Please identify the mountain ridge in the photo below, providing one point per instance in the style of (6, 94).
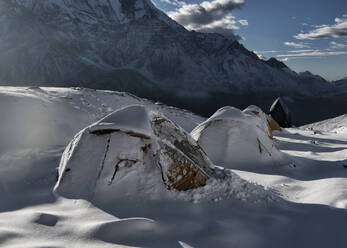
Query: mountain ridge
(103, 35)
(132, 46)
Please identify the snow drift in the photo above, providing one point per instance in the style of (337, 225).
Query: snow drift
(129, 150)
(228, 212)
(232, 138)
(334, 125)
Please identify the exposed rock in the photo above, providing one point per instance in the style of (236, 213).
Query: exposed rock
(275, 63)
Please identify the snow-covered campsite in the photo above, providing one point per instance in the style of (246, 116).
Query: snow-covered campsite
(88, 168)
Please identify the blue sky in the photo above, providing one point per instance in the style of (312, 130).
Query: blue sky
(305, 34)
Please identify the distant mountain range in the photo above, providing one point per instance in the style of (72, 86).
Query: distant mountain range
(341, 82)
(130, 45)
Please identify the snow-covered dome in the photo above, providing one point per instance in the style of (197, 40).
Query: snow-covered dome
(234, 139)
(265, 121)
(127, 151)
(261, 118)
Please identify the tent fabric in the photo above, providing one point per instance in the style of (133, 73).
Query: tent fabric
(280, 113)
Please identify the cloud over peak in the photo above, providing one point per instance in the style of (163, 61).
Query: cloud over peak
(208, 16)
(314, 53)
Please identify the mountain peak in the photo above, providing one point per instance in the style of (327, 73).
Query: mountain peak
(128, 45)
(276, 63)
(89, 11)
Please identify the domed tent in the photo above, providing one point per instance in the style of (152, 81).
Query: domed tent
(127, 148)
(268, 123)
(262, 118)
(280, 113)
(235, 139)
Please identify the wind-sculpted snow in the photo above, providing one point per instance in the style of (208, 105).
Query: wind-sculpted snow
(299, 204)
(337, 125)
(46, 117)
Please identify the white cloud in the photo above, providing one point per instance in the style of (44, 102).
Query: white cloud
(269, 51)
(243, 22)
(226, 23)
(260, 56)
(174, 2)
(315, 53)
(209, 16)
(339, 29)
(338, 20)
(335, 45)
(299, 45)
(284, 59)
(301, 51)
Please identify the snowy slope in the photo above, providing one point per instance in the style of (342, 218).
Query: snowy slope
(300, 204)
(336, 125)
(318, 172)
(51, 116)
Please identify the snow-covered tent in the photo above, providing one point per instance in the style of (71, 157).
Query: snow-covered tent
(233, 139)
(280, 113)
(267, 121)
(126, 150)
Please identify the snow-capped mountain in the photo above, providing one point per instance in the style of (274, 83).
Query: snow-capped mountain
(87, 43)
(341, 81)
(341, 85)
(132, 46)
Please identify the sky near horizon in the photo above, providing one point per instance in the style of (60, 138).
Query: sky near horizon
(305, 34)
